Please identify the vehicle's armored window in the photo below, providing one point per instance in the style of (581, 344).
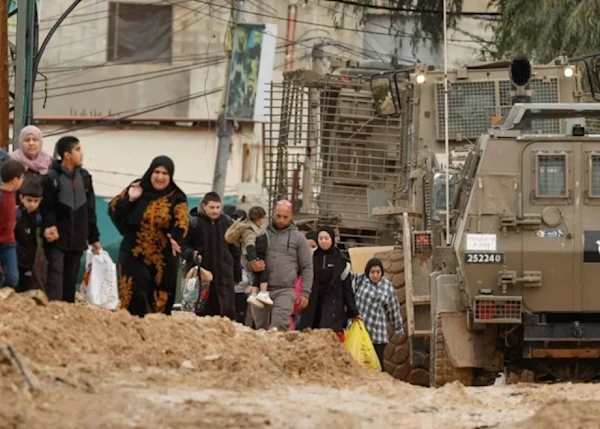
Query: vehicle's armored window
(595, 173)
(552, 175)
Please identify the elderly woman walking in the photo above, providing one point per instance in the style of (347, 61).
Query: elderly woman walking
(152, 215)
(378, 304)
(30, 153)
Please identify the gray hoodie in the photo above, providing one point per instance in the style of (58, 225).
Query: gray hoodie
(288, 257)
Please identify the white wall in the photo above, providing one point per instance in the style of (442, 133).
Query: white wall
(116, 157)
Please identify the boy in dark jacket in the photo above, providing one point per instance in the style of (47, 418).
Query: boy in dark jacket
(205, 245)
(69, 219)
(28, 222)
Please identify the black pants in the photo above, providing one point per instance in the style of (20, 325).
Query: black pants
(261, 277)
(63, 268)
(241, 307)
(379, 349)
(25, 279)
(221, 301)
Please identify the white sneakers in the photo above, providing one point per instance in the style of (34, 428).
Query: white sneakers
(254, 302)
(264, 298)
(259, 300)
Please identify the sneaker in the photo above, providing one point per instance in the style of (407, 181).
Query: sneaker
(253, 301)
(264, 298)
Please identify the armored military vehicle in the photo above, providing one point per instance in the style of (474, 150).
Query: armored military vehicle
(510, 284)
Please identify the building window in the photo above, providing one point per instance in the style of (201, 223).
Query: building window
(139, 32)
(552, 176)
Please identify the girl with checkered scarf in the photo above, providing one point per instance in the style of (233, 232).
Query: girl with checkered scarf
(378, 304)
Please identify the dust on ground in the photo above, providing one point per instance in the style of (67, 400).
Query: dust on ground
(75, 366)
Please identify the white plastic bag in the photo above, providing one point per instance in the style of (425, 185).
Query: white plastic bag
(99, 286)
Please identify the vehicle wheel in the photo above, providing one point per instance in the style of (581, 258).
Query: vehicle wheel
(397, 360)
(441, 371)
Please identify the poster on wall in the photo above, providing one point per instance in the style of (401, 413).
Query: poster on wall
(252, 61)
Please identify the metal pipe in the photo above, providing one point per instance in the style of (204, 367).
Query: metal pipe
(291, 34)
(446, 140)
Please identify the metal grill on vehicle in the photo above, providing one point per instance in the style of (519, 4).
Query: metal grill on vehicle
(329, 123)
(544, 91)
(473, 104)
(497, 309)
(421, 242)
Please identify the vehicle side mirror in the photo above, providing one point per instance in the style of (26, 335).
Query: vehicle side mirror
(386, 104)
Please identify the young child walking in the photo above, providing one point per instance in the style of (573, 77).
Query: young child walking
(29, 220)
(254, 241)
(12, 174)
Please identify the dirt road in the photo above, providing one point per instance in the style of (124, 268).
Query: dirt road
(72, 366)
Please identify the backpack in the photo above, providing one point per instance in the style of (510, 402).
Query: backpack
(233, 235)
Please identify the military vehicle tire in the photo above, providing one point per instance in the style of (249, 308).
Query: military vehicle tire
(441, 370)
(397, 353)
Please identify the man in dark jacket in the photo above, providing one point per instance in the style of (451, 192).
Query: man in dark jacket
(205, 245)
(69, 219)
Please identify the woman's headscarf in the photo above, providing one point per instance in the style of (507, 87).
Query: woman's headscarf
(150, 194)
(373, 262)
(333, 256)
(41, 163)
(329, 230)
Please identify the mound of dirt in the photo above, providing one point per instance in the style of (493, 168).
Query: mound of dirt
(562, 414)
(95, 341)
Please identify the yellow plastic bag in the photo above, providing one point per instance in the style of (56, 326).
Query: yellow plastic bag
(358, 343)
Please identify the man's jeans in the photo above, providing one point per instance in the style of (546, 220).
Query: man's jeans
(8, 259)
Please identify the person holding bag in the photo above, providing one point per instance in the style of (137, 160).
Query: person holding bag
(377, 303)
(152, 215)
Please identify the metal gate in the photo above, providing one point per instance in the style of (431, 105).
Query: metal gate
(324, 148)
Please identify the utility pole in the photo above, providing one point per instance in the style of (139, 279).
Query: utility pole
(318, 55)
(4, 75)
(224, 125)
(26, 38)
(291, 34)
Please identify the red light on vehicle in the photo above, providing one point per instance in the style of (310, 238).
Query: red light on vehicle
(422, 240)
(512, 308)
(485, 309)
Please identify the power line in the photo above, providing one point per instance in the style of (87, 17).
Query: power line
(123, 115)
(209, 61)
(131, 113)
(187, 58)
(108, 15)
(357, 30)
(55, 17)
(164, 74)
(183, 27)
(415, 10)
(398, 32)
